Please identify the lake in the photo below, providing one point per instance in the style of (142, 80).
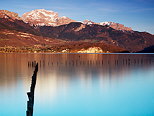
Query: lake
(78, 84)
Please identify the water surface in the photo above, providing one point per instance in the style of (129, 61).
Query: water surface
(78, 84)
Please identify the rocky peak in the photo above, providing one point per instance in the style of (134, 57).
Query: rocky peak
(41, 17)
(9, 15)
(116, 26)
(88, 22)
(113, 25)
(64, 20)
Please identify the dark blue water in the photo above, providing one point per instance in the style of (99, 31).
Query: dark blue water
(78, 84)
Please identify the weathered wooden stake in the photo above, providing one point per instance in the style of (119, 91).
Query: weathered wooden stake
(30, 102)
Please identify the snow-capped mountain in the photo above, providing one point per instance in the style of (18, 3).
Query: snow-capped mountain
(88, 22)
(113, 25)
(116, 26)
(41, 17)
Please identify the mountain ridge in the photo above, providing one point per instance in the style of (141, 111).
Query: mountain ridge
(42, 17)
(108, 36)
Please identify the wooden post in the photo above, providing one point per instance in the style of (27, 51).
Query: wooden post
(30, 102)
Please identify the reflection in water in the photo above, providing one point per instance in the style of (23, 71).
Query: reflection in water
(79, 84)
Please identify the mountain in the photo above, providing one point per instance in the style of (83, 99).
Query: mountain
(130, 40)
(44, 31)
(116, 26)
(148, 50)
(88, 22)
(113, 25)
(9, 15)
(11, 21)
(41, 17)
(16, 41)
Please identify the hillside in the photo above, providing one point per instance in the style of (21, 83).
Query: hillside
(67, 35)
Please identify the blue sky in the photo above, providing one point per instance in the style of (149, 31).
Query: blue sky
(138, 14)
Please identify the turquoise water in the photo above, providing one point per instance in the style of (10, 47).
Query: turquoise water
(78, 84)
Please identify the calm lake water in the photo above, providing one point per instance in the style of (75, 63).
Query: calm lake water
(78, 84)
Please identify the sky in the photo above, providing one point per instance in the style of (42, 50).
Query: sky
(138, 14)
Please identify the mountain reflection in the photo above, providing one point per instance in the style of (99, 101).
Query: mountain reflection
(69, 66)
(82, 65)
